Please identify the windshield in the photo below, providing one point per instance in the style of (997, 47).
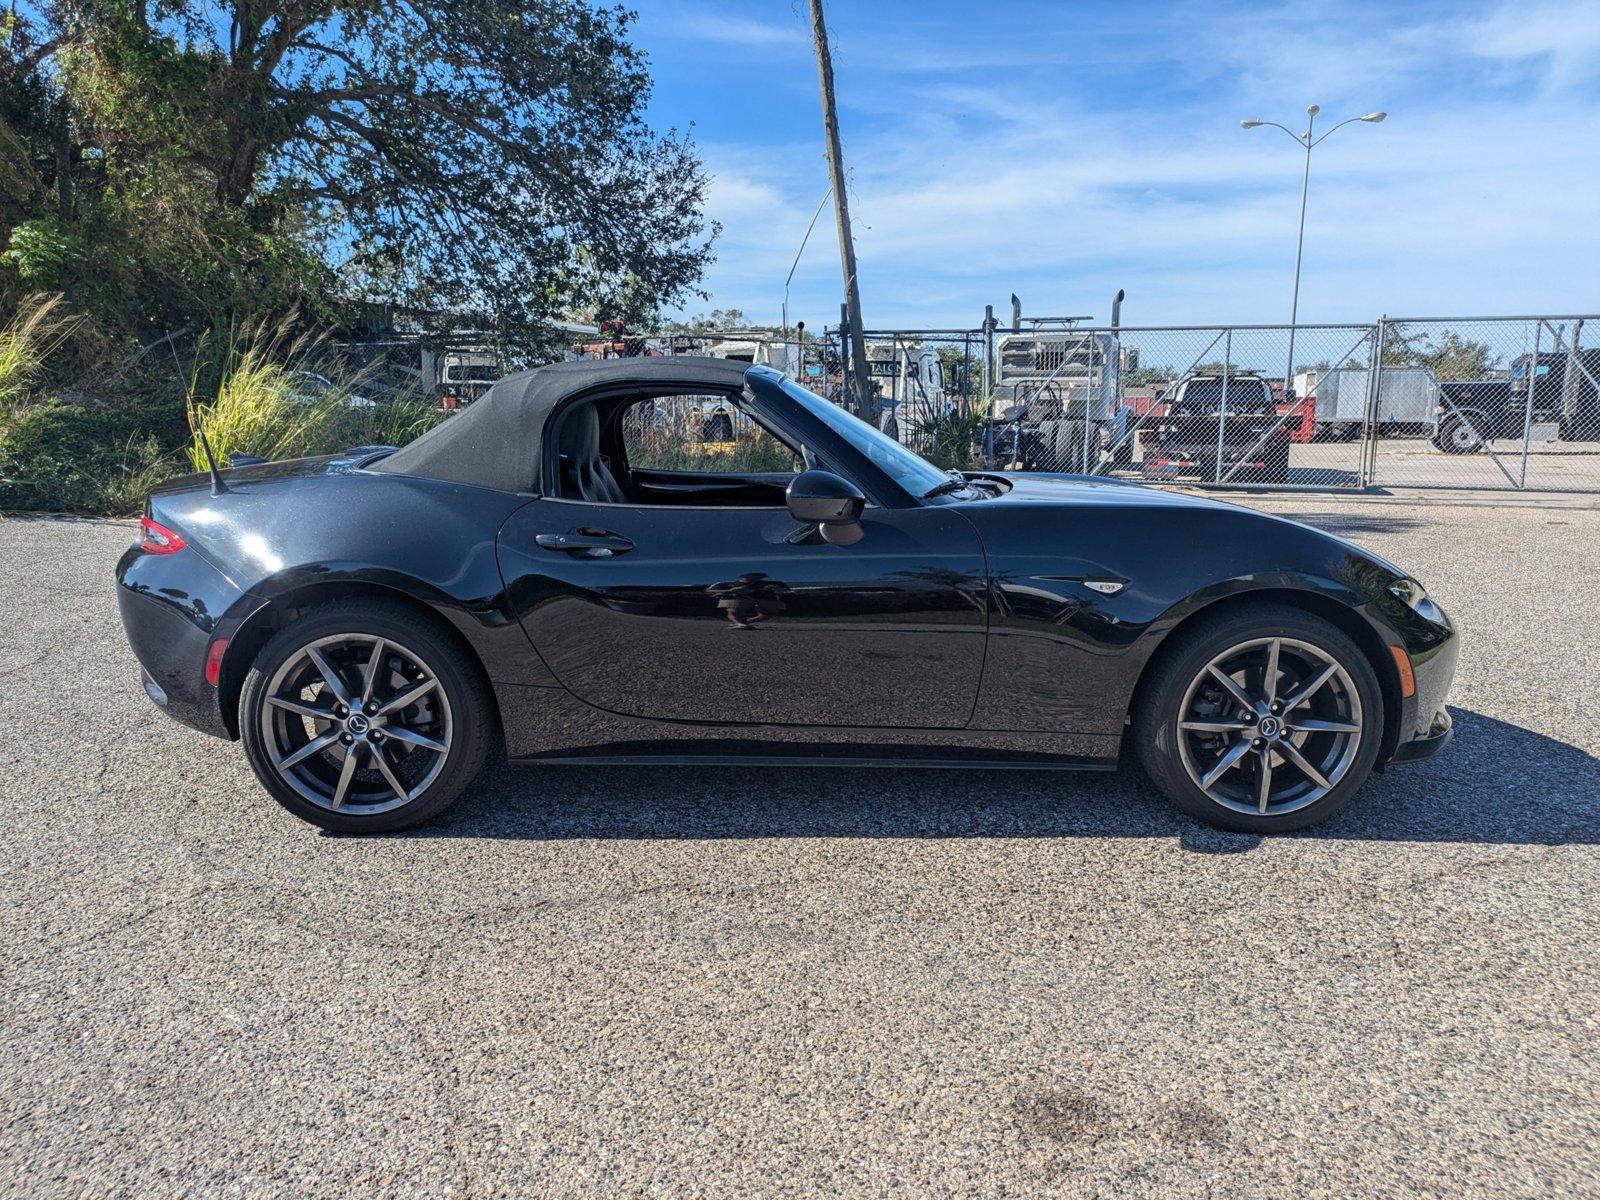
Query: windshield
(915, 474)
(1244, 395)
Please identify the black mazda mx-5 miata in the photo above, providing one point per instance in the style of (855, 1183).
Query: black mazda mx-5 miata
(592, 564)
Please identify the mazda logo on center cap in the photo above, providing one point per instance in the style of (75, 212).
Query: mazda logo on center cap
(357, 723)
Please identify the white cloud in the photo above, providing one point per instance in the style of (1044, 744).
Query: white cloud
(1477, 193)
(718, 25)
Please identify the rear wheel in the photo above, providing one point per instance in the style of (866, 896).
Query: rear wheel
(364, 717)
(1260, 720)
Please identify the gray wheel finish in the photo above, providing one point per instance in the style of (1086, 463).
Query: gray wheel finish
(1270, 726)
(1461, 438)
(356, 723)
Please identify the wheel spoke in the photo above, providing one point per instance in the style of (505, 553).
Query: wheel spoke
(1269, 682)
(1213, 726)
(381, 761)
(346, 774)
(1318, 725)
(1264, 783)
(1310, 689)
(329, 676)
(1240, 696)
(1292, 753)
(370, 676)
(412, 738)
(300, 706)
(1226, 763)
(408, 697)
(315, 746)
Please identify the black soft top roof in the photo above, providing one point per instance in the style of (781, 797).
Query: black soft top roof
(495, 441)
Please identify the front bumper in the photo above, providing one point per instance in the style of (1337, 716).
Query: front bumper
(1438, 736)
(1425, 727)
(171, 611)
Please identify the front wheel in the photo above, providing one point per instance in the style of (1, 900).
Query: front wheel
(1262, 720)
(1458, 436)
(365, 717)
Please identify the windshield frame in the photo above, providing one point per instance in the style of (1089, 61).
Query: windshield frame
(870, 452)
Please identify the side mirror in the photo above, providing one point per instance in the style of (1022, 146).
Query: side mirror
(827, 500)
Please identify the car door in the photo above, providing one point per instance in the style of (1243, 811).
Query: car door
(722, 613)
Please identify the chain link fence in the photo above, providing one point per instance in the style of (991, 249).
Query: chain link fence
(1481, 403)
(1478, 402)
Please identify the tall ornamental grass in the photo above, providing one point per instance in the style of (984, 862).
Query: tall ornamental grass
(262, 410)
(33, 333)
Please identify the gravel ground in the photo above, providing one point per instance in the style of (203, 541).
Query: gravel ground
(840, 982)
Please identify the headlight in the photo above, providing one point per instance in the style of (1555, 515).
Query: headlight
(1415, 597)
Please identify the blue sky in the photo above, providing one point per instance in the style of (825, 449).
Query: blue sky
(1064, 150)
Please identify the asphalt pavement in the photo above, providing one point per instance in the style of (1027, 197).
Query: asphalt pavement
(763, 982)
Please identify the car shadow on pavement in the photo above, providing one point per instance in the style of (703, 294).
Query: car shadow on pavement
(1496, 784)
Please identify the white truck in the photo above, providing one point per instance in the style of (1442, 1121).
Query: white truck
(1408, 399)
(912, 380)
(1058, 373)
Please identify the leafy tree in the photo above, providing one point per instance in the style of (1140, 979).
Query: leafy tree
(465, 155)
(717, 320)
(1450, 356)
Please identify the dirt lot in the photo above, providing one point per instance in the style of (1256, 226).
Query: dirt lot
(832, 982)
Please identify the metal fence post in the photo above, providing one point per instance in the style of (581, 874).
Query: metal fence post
(1222, 411)
(1367, 472)
(1527, 409)
(1088, 390)
(988, 351)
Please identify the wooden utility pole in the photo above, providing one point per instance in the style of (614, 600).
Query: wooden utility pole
(861, 370)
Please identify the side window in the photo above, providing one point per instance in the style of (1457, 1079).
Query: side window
(702, 434)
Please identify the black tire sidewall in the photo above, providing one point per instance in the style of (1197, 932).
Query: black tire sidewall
(472, 725)
(1155, 724)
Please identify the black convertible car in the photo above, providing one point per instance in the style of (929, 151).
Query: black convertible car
(572, 571)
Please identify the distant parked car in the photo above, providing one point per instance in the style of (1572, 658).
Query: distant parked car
(309, 387)
(1205, 419)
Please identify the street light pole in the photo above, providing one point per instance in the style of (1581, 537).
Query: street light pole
(1299, 253)
(1309, 142)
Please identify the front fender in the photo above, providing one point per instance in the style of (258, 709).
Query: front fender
(1063, 656)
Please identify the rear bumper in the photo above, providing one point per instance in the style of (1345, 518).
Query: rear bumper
(170, 611)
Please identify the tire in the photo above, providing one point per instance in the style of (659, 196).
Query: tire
(1181, 688)
(719, 428)
(455, 712)
(1279, 463)
(1275, 465)
(1457, 436)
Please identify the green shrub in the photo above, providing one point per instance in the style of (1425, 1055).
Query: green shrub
(79, 458)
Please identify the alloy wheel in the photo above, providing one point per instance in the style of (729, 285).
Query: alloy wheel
(1270, 726)
(356, 723)
(1464, 437)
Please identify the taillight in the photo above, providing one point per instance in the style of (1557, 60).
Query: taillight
(214, 653)
(156, 538)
